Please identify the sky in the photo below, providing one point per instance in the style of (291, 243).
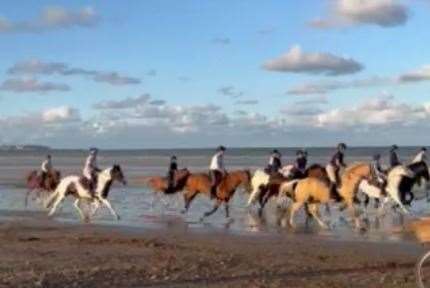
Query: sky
(194, 73)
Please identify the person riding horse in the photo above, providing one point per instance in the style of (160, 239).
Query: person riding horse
(336, 162)
(379, 178)
(216, 169)
(275, 162)
(421, 156)
(301, 162)
(394, 159)
(91, 169)
(46, 169)
(171, 174)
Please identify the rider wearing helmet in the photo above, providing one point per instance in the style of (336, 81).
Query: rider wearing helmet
(394, 159)
(377, 172)
(173, 167)
(421, 156)
(217, 169)
(46, 168)
(301, 161)
(274, 162)
(91, 169)
(336, 162)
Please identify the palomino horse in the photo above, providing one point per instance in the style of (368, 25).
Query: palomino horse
(265, 187)
(73, 185)
(35, 184)
(200, 183)
(161, 184)
(310, 192)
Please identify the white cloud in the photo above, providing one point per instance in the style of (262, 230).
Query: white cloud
(31, 86)
(382, 112)
(52, 17)
(60, 114)
(384, 13)
(38, 67)
(297, 61)
(130, 102)
(247, 102)
(417, 75)
(329, 86)
(221, 40)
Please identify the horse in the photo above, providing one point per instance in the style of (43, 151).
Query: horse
(416, 183)
(34, 183)
(397, 178)
(309, 192)
(161, 184)
(75, 186)
(265, 187)
(201, 183)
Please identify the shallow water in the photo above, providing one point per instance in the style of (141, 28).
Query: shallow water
(140, 209)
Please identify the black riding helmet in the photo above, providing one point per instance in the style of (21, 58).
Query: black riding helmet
(394, 147)
(341, 146)
(377, 157)
(221, 148)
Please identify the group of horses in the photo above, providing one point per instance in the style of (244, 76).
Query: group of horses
(309, 189)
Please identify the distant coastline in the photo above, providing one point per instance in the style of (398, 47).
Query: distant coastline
(24, 148)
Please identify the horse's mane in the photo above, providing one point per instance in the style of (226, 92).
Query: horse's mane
(418, 167)
(354, 167)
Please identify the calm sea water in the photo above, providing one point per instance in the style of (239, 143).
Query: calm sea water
(139, 207)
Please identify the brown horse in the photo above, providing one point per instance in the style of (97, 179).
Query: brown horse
(35, 184)
(201, 183)
(161, 184)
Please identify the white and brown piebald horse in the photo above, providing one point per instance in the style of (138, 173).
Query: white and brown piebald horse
(74, 186)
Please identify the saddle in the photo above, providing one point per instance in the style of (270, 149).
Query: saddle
(88, 184)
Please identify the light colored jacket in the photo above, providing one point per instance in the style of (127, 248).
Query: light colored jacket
(46, 166)
(421, 156)
(90, 166)
(217, 162)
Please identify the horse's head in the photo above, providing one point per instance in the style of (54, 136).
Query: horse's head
(117, 174)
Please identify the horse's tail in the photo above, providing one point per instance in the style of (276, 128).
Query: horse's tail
(259, 179)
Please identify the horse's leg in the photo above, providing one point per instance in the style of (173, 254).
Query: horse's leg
(26, 196)
(227, 209)
(76, 204)
(188, 198)
(58, 199)
(109, 206)
(214, 209)
(314, 210)
(263, 201)
(293, 209)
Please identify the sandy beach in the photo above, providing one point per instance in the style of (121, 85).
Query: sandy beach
(40, 252)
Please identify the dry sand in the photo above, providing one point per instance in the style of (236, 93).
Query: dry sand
(39, 252)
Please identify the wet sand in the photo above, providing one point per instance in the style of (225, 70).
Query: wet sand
(40, 252)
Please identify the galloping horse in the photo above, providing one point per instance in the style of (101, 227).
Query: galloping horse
(35, 183)
(161, 184)
(310, 192)
(200, 183)
(74, 186)
(265, 187)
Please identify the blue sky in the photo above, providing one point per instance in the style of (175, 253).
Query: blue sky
(226, 72)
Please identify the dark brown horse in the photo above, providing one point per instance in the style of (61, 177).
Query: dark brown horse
(161, 184)
(35, 183)
(201, 183)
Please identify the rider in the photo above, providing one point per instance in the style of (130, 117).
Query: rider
(216, 169)
(173, 167)
(301, 161)
(336, 163)
(46, 168)
(91, 169)
(377, 172)
(394, 159)
(274, 162)
(421, 156)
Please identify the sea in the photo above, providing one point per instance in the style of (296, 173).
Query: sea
(140, 208)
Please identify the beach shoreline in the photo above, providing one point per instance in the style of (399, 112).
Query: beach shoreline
(39, 252)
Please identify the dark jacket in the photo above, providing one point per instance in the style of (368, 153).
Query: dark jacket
(394, 159)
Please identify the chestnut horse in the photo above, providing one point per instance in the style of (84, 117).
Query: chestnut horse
(161, 184)
(201, 183)
(35, 184)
